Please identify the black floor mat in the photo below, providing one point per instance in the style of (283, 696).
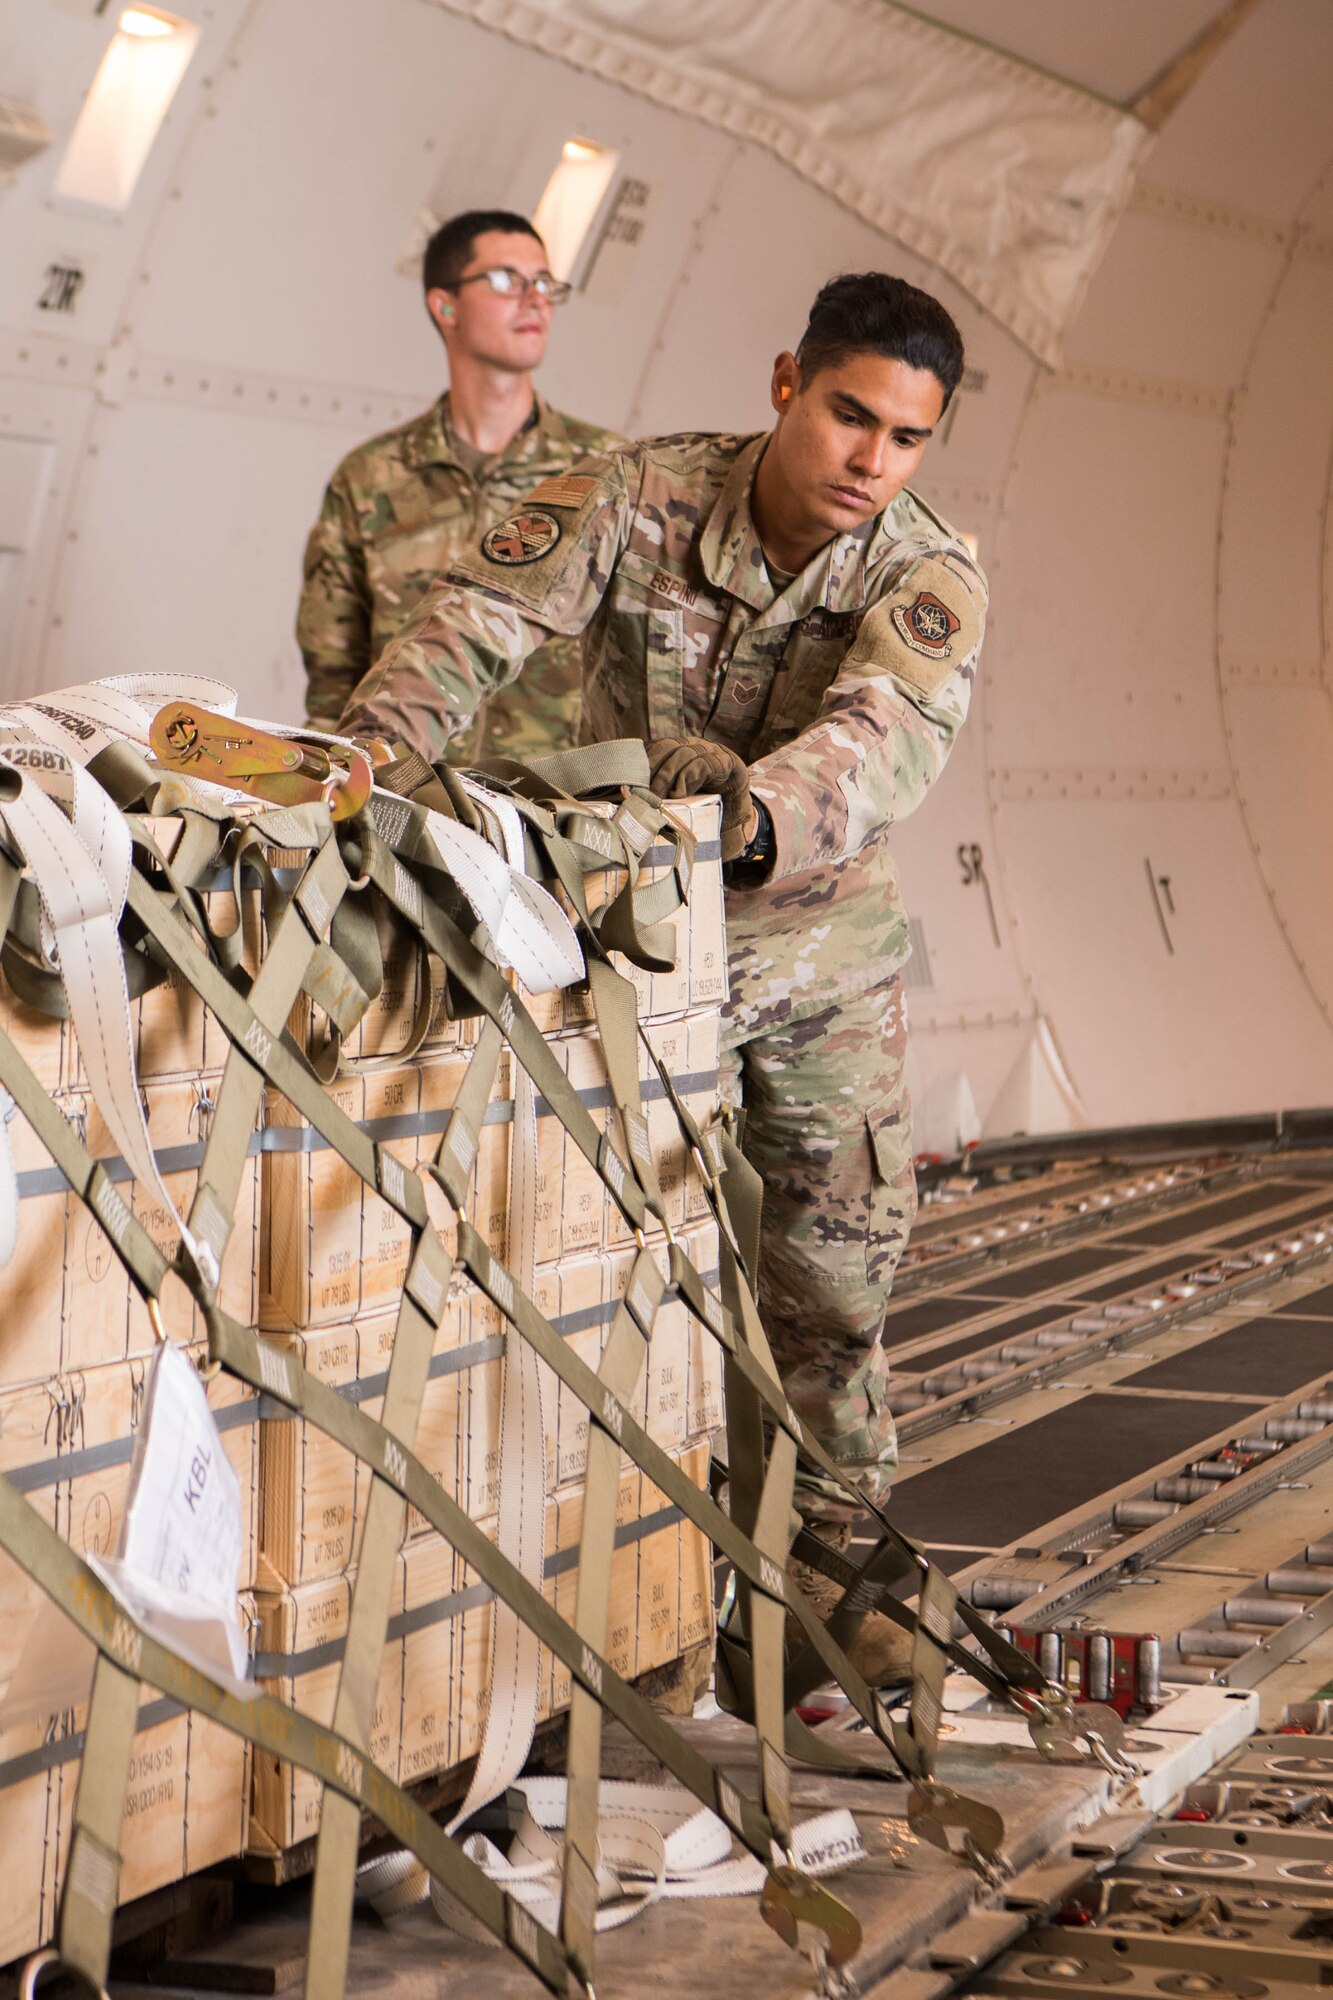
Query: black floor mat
(934, 1358)
(1062, 1270)
(1203, 1218)
(1315, 1305)
(1012, 1485)
(1137, 1281)
(933, 1315)
(1263, 1357)
(1244, 1237)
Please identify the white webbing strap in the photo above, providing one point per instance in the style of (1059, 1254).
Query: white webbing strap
(656, 1843)
(80, 868)
(528, 929)
(511, 1714)
(85, 719)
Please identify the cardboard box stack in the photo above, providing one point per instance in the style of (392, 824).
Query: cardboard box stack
(317, 1262)
(333, 1262)
(75, 1347)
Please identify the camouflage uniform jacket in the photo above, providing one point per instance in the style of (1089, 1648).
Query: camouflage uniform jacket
(843, 690)
(396, 513)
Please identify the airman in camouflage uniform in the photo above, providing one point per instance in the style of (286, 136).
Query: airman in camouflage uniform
(837, 691)
(398, 512)
(402, 507)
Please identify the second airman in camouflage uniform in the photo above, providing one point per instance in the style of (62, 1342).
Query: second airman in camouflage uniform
(403, 506)
(782, 621)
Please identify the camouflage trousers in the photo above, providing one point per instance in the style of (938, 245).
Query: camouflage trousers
(828, 1127)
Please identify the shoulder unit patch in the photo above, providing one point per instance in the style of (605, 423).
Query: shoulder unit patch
(926, 625)
(521, 538)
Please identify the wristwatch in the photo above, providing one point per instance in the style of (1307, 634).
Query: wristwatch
(762, 845)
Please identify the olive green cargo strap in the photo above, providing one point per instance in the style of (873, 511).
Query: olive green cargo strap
(259, 1052)
(460, 1141)
(488, 988)
(92, 1873)
(88, 1180)
(271, 1726)
(615, 1009)
(619, 1372)
(293, 943)
(419, 1314)
(590, 767)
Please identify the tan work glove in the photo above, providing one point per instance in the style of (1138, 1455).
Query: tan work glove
(680, 767)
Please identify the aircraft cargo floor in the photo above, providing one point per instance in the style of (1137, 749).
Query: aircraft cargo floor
(1114, 1387)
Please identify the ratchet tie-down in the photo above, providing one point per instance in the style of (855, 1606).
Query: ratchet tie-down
(283, 770)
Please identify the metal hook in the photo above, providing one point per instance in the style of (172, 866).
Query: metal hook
(42, 1961)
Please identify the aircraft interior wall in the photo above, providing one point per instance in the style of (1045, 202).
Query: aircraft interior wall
(1121, 884)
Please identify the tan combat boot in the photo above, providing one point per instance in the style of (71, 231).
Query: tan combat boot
(881, 1652)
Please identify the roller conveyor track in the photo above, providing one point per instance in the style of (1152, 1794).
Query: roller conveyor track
(1115, 1424)
(1086, 1421)
(1162, 1204)
(1228, 1893)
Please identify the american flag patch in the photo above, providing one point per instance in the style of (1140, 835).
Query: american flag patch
(567, 489)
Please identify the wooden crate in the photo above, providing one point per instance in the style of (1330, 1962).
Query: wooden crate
(69, 1302)
(699, 976)
(436, 1664)
(575, 1214)
(187, 1807)
(28, 1906)
(299, 1646)
(314, 1492)
(331, 1248)
(67, 1444)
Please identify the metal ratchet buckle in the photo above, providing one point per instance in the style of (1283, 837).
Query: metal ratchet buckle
(792, 1898)
(933, 1808)
(278, 769)
(1086, 1732)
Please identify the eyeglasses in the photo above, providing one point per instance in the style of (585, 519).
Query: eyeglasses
(508, 284)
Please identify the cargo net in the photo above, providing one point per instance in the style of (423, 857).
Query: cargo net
(246, 950)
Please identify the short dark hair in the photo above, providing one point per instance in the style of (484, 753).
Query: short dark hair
(452, 244)
(868, 311)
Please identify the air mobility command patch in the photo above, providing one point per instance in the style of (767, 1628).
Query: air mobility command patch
(922, 636)
(521, 538)
(926, 625)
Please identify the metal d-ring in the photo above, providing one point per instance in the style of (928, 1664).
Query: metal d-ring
(42, 1961)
